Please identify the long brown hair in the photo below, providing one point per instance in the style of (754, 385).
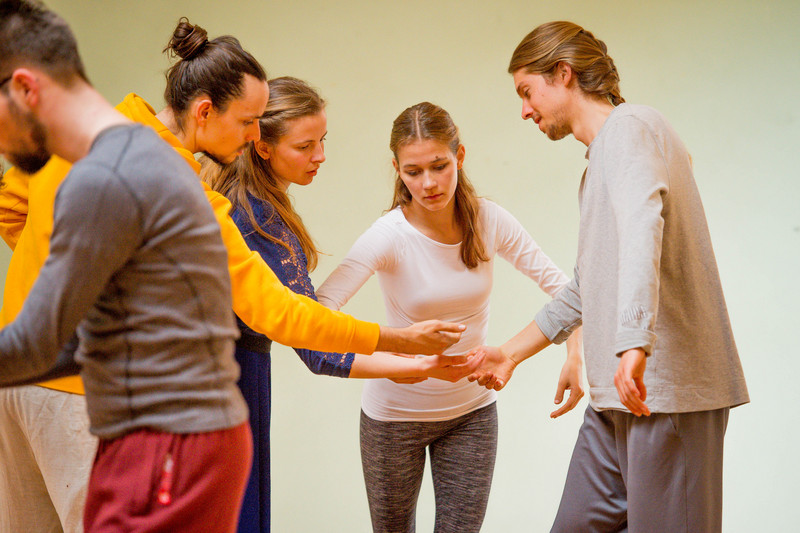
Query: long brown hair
(289, 100)
(545, 47)
(427, 121)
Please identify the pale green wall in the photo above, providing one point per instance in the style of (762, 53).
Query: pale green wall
(725, 74)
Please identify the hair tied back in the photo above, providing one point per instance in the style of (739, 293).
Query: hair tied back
(187, 40)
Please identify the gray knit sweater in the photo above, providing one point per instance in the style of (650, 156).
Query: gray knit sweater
(646, 274)
(138, 267)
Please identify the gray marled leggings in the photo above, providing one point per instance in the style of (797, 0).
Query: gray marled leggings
(462, 453)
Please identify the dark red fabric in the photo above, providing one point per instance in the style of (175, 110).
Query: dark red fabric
(164, 482)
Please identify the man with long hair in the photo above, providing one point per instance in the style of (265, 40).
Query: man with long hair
(662, 364)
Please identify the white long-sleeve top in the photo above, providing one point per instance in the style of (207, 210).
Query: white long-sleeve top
(422, 279)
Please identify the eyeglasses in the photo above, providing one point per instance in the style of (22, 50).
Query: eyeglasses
(6, 80)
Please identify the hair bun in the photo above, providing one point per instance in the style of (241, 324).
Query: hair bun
(187, 40)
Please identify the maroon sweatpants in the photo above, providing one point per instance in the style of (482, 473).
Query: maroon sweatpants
(152, 481)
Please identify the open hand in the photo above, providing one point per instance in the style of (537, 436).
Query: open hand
(496, 369)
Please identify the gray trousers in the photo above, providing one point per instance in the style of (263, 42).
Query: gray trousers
(462, 454)
(660, 473)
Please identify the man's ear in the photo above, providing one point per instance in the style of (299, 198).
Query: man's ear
(201, 109)
(25, 88)
(564, 73)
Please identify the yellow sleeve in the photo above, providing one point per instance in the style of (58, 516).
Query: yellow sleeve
(13, 205)
(267, 306)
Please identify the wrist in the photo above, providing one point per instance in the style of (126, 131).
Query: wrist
(388, 340)
(424, 365)
(515, 359)
(574, 357)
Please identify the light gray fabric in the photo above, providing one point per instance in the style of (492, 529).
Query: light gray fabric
(462, 452)
(42, 491)
(646, 274)
(655, 474)
(138, 266)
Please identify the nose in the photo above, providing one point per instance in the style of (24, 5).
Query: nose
(428, 181)
(527, 110)
(254, 132)
(319, 154)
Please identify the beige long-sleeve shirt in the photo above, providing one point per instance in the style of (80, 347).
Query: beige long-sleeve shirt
(646, 275)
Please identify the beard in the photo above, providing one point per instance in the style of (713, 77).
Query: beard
(560, 126)
(33, 159)
(556, 132)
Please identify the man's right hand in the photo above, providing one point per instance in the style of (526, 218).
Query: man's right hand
(428, 337)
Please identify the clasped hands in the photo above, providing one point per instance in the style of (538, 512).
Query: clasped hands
(497, 369)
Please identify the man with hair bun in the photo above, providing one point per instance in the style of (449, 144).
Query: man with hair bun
(661, 360)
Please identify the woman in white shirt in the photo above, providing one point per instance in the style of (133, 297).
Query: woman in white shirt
(433, 253)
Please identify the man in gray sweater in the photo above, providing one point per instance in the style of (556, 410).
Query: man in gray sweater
(661, 361)
(137, 266)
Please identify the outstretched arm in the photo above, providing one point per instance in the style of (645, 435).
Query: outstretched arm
(80, 263)
(373, 251)
(428, 337)
(444, 367)
(270, 308)
(499, 363)
(517, 247)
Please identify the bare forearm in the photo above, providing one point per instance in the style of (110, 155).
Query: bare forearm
(390, 340)
(428, 337)
(526, 343)
(385, 365)
(575, 345)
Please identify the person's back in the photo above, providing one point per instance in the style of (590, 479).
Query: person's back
(138, 269)
(156, 347)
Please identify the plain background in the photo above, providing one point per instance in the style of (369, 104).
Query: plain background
(725, 73)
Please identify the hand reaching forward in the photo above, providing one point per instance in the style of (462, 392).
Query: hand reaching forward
(408, 380)
(428, 337)
(445, 367)
(452, 367)
(496, 369)
(571, 379)
(629, 381)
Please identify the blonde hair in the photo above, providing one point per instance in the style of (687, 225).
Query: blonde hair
(289, 99)
(426, 121)
(552, 43)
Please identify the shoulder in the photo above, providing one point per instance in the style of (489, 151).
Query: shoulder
(391, 223)
(135, 152)
(385, 238)
(493, 215)
(263, 211)
(632, 130)
(635, 119)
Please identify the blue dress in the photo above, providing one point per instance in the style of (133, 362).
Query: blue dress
(253, 354)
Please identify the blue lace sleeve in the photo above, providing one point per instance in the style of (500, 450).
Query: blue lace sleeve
(292, 270)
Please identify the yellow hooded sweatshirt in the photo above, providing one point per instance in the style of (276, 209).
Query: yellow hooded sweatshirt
(259, 298)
